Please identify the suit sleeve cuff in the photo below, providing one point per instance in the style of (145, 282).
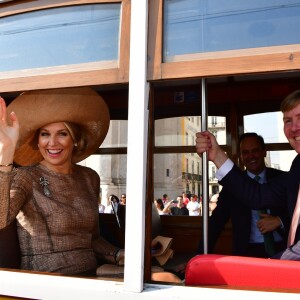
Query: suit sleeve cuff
(281, 223)
(224, 169)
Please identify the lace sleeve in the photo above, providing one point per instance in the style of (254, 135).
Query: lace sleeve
(13, 186)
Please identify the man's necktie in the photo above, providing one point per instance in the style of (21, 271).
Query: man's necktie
(257, 178)
(295, 221)
(268, 236)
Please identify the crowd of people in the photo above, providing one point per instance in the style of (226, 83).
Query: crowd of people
(113, 203)
(186, 204)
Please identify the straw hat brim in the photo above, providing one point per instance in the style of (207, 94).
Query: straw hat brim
(82, 106)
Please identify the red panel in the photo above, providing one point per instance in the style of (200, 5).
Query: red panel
(240, 271)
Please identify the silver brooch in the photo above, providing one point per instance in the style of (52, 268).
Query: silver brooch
(44, 183)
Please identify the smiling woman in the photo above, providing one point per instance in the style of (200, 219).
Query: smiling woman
(54, 200)
(56, 146)
(180, 55)
(84, 106)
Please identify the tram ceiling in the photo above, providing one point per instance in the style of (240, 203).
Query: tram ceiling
(247, 96)
(182, 97)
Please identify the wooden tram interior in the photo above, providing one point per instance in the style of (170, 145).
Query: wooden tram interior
(238, 83)
(232, 97)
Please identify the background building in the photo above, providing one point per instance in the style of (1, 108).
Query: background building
(173, 173)
(176, 173)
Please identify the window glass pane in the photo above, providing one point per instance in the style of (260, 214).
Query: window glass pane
(112, 170)
(117, 134)
(181, 131)
(60, 36)
(193, 26)
(273, 133)
(184, 175)
(281, 160)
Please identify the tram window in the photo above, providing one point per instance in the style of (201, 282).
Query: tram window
(117, 134)
(60, 36)
(174, 132)
(181, 131)
(111, 167)
(112, 170)
(217, 126)
(192, 26)
(181, 177)
(273, 133)
(185, 167)
(280, 159)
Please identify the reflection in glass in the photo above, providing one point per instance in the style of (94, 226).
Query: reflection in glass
(193, 26)
(60, 36)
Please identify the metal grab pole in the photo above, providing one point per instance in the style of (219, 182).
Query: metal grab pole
(205, 191)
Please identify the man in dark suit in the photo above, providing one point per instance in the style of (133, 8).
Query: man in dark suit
(251, 229)
(280, 190)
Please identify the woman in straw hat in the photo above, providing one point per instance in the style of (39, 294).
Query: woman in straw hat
(54, 200)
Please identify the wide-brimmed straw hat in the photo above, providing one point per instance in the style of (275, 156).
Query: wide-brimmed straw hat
(35, 109)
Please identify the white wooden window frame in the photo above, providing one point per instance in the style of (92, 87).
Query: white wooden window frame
(36, 286)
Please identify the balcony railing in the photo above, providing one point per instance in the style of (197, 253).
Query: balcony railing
(192, 177)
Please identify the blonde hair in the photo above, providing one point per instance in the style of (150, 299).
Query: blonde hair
(290, 101)
(77, 136)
